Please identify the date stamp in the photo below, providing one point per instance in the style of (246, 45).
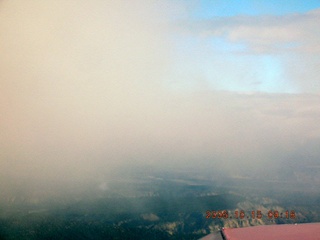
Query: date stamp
(254, 214)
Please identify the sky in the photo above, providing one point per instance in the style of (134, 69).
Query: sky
(89, 87)
(251, 45)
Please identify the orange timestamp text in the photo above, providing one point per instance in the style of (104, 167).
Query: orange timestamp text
(254, 214)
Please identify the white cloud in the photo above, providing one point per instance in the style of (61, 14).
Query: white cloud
(269, 34)
(82, 94)
(231, 52)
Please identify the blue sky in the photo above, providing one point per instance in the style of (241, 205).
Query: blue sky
(221, 8)
(248, 46)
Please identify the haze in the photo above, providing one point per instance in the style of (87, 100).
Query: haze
(91, 87)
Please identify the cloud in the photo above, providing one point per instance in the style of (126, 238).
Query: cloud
(269, 34)
(83, 93)
(76, 80)
(281, 52)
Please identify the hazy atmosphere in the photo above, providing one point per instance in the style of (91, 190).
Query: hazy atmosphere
(90, 87)
(142, 119)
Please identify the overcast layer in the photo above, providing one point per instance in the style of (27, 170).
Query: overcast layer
(87, 87)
